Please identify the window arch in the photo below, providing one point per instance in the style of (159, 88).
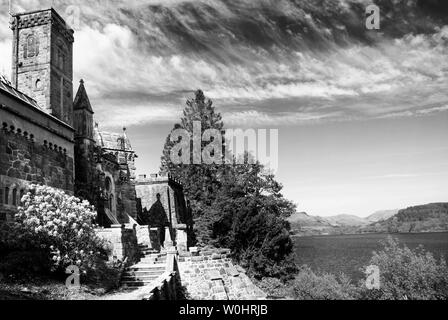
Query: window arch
(14, 197)
(22, 193)
(108, 184)
(6, 195)
(61, 55)
(38, 84)
(111, 202)
(31, 48)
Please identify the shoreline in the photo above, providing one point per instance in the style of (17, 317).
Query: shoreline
(365, 233)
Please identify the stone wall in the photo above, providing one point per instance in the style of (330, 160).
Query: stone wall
(149, 237)
(170, 200)
(123, 243)
(24, 161)
(211, 275)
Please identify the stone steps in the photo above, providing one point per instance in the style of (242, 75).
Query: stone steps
(140, 278)
(134, 284)
(146, 271)
(153, 258)
(150, 267)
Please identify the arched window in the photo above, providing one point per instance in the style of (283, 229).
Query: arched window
(38, 84)
(14, 197)
(31, 48)
(6, 195)
(111, 201)
(22, 192)
(108, 184)
(61, 55)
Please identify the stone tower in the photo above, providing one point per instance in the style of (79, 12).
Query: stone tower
(42, 61)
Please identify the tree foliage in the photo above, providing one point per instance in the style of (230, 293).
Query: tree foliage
(308, 285)
(407, 274)
(200, 182)
(239, 206)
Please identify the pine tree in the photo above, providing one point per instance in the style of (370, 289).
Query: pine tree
(200, 182)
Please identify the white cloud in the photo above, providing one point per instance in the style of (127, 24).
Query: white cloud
(119, 115)
(393, 78)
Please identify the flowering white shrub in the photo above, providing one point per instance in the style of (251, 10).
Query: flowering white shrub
(60, 224)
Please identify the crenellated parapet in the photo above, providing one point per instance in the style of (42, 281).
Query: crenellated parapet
(25, 136)
(24, 160)
(39, 18)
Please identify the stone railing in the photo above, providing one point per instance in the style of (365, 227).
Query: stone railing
(167, 286)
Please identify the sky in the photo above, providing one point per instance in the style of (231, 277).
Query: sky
(362, 115)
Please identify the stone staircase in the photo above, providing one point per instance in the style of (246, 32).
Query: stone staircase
(151, 266)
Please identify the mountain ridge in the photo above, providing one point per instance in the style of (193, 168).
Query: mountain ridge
(421, 218)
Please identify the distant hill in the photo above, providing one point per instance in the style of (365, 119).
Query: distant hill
(304, 224)
(344, 220)
(424, 218)
(381, 215)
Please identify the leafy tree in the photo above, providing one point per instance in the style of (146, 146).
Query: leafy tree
(407, 274)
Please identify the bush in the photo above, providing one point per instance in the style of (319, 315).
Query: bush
(104, 274)
(58, 226)
(275, 288)
(408, 274)
(310, 286)
(24, 264)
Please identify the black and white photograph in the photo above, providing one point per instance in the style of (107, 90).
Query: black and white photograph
(236, 151)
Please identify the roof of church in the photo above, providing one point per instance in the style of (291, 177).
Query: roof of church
(82, 100)
(18, 94)
(111, 140)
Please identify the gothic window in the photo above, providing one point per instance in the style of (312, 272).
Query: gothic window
(111, 201)
(6, 195)
(38, 84)
(61, 56)
(108, 185)
(22, 192)
(14, 197)
(31, 48)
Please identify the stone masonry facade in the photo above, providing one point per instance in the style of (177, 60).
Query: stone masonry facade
(23, 159)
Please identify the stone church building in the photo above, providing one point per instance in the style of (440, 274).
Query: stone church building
(48, 136)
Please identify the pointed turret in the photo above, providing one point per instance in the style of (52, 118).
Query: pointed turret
(82, 101)
(83, 114)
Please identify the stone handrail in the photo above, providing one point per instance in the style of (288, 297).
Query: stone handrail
(166, 286)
